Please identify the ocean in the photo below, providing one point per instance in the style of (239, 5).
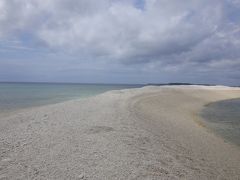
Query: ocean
(16, 96)
(223, 117)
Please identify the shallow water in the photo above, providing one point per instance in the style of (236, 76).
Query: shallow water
(224, 118)
(15, 96)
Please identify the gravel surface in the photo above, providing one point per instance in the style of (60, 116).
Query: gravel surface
(145, 133)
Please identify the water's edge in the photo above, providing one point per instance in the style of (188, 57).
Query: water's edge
(15, 97)
(223, 118)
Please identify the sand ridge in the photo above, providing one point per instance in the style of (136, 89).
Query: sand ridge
(143, 133)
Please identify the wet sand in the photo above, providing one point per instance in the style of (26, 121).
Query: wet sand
(145, 133)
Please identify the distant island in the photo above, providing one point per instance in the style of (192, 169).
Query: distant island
(176, 83)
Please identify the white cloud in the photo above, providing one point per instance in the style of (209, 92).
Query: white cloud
(122, 31)
(163, 34)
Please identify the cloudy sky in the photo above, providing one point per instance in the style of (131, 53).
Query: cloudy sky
(120, 41)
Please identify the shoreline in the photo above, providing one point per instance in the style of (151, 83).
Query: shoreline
(25, 109)
(35, 107)
(19, 96)
(142, 133)
(222, 117)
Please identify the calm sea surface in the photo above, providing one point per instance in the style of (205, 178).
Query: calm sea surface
(15, 96)
(224, 118)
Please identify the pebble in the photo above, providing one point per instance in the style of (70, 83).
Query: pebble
(6, 160)
(81, 176)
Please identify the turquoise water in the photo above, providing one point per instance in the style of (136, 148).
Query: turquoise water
(15, 96)
(224, 118)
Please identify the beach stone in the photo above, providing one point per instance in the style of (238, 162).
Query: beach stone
(6, 160)
(81, 176)
(99, 129)
(3, 177)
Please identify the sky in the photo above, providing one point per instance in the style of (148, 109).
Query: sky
(120, 41)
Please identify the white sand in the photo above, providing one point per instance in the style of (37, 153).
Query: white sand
(146, 133)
